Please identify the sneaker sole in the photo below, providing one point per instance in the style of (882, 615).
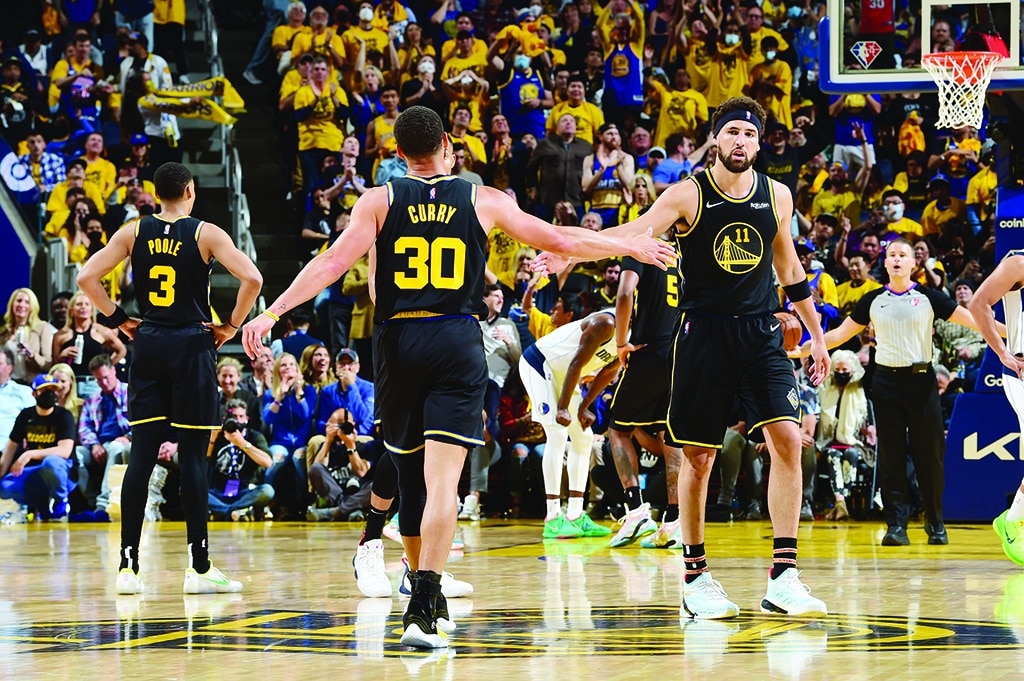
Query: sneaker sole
(414, 636)
(641, 531)
(770, 608)
(724, 615)
(211, 588)
(445, 625)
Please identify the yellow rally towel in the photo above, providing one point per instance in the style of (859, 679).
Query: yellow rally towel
(526, 35)
(218, 86)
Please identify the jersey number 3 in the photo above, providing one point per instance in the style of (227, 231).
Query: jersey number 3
(162, 294)
(441, 263)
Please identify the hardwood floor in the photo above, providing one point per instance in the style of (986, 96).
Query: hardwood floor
(541, 609)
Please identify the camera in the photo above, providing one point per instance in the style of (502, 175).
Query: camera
(231, 425)
(346, 428)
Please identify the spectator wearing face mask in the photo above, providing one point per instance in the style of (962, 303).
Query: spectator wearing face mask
(424, 89)
(522, 94)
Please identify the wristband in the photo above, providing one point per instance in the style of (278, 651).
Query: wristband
(118, 317)
(272, 315)
(798, 291)
(228, 322)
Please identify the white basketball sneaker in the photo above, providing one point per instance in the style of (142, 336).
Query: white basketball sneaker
(635, 524)
(212, 581)
(371, 577)
(787, 595)
(704, 598)
(128, 582)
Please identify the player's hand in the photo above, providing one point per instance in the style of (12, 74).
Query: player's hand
(586, 417)
(819, 370)
(253, 334)
(1013, 363)
(167, 451)
(624, 351)
(130, 327)
(222, 333)
(652, 251)
(563, 417)
(549, 263)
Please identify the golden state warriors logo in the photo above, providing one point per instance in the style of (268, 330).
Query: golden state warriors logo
(527, 92)
(738, 247)
(620, 66)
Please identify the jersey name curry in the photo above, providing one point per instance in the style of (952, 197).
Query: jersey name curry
(171, 278)
(725, 254)
(431, 249)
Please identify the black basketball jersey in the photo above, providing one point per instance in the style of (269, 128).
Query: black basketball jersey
(726, 254)
(431, 249)
(172, 281)
(656, 308)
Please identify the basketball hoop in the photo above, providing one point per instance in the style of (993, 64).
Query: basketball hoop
(962, 78)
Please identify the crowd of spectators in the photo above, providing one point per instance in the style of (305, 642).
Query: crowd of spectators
(582, 112)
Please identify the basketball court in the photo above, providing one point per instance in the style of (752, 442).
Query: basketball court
(571, 609)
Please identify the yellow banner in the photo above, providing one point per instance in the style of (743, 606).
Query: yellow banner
(197, 107)
(218, 86)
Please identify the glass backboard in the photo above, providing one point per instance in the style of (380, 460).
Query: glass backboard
(876, 45)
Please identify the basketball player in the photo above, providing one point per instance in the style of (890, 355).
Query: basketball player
(431, 374)
(1005, 282)
(551, 370)
(640, 402)
(732, 226)
(173, 379)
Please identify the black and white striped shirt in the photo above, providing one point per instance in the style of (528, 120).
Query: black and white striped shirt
(903, 322)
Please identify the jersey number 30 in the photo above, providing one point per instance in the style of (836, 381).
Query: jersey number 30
(162, 294)
(441, 263)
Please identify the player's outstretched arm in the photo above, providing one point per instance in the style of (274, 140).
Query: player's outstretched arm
(324, 269)
(497, 209)
(214, 242)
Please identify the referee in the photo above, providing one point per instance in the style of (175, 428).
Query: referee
(905, 393)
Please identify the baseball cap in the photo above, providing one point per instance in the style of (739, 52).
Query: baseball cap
(841, 164)
(605, 127)
(346, 353)
(139, 138)
(658, 150)
(134, 35)
(777, 125)
(828, 219)
(463, 35)
(307, 57)
(31, 35)
(44, 381)
(12, 60)
(965, 282)
(805, 243)
(938, 179)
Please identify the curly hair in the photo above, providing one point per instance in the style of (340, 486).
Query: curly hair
(419, 132)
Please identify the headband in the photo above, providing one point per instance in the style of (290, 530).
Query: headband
(739, 115)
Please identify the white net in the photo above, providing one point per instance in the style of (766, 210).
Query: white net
(963, 78)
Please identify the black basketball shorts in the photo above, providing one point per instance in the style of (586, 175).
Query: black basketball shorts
(173, 377)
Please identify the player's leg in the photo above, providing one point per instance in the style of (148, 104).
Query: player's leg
(786, 595)
(146, 440)
(195, 412)
(669, 534)
(368, 563)
(637, 522)
(581, 442)
(1009, 525)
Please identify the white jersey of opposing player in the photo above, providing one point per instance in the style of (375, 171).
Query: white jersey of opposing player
(1013, 309)
(560, 346)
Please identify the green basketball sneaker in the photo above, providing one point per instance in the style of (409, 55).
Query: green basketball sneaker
(560, 528)
(1012, 534)
(589, 528)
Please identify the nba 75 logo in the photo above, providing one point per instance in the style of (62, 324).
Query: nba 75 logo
(866, 51)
